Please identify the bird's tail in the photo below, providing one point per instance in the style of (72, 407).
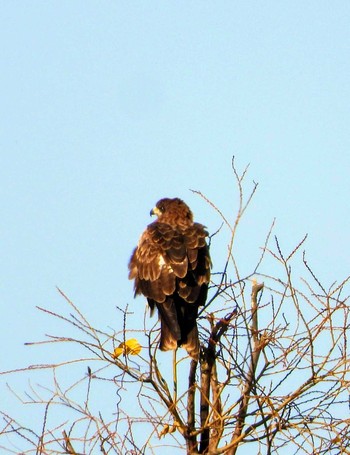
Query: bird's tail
(170, 332)
(189, 330)
(168, 341)
(192, 342)
(179, 327)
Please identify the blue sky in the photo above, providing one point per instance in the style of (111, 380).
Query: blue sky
(108, 106)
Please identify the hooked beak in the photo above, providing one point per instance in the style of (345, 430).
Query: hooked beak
(155, 211)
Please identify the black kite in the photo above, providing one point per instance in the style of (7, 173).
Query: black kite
(171, 267)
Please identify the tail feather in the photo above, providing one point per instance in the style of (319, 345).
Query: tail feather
(170, 331)
(178, 326)
(167, 340)
(192, 343)
(189, 330)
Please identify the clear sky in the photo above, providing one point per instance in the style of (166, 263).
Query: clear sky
(108, 106)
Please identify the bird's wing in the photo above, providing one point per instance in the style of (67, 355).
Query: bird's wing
(157, 261)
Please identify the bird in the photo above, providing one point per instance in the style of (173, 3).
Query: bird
(171, 267)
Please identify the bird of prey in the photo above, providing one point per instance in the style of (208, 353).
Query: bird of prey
(171, 267)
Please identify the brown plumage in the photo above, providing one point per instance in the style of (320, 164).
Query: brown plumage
(171, 267)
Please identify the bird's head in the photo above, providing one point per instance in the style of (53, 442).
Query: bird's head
(172, 210)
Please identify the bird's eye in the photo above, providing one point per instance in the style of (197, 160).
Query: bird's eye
(162, 208)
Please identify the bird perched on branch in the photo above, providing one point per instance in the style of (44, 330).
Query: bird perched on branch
(171, 267)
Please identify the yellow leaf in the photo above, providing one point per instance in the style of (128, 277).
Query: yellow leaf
(117, 352)
(172, 429)
(131, 347)
(164, 431)
(167, 429)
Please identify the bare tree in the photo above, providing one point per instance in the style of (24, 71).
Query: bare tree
(273, 372)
